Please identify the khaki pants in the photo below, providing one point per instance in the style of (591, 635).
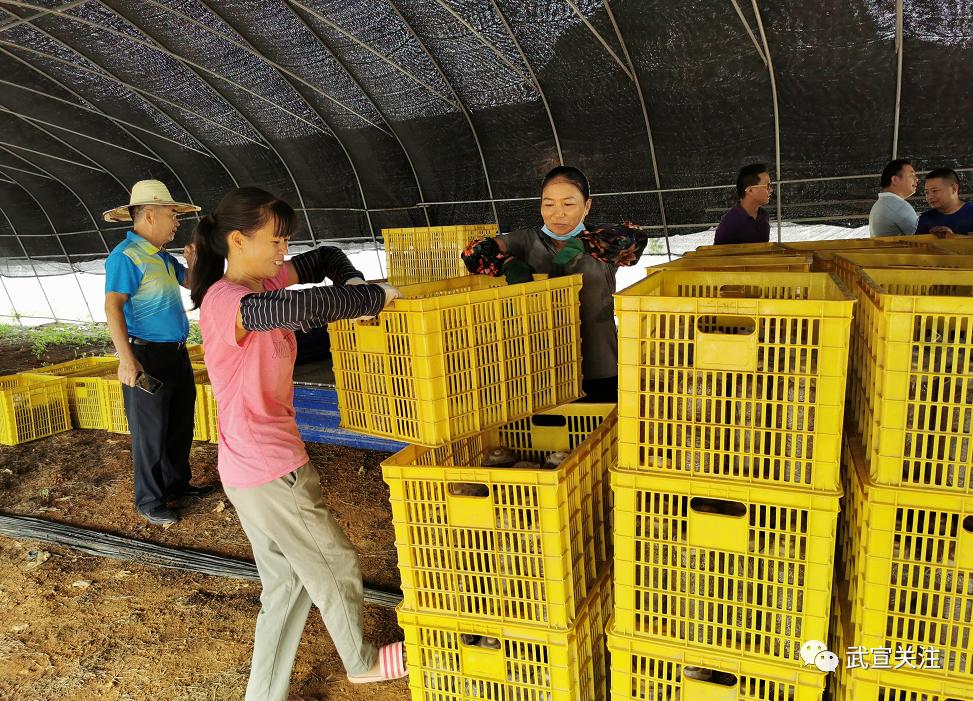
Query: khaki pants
(303, 557)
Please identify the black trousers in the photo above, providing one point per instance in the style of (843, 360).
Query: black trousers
(161, 424)
(604, 390)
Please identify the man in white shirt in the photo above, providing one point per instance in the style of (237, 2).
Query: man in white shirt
(891, 215)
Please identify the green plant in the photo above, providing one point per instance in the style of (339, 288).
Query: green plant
(9, 332)
(63, 334)
(195, 336)
(69, 335)
(40, 337)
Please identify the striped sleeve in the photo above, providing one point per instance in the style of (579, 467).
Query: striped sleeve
(324, 262)
(309, 308)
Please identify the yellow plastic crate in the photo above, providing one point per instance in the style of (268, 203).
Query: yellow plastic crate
(32, 407)
(211, 418)
(840, 244)
(907, 556)
(84, 399)
(458, 356)
(790, 262)
(707, 564)
(848, 265)
(429, 253)
(827, 261)
(826, 250)
(521, 662)
(914, 377)
(113, 405)
(918, 240)
(531, 548)
(196, 352)
(642, 670)
(735, 249)
(735, 375)
(884, 684)
(78, 367)
(961, 245)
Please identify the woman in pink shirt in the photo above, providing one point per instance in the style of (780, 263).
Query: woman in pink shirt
(248, 317)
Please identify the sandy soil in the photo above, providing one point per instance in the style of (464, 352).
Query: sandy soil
(76, 627)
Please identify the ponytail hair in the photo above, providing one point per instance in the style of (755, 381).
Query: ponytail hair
(244, 209)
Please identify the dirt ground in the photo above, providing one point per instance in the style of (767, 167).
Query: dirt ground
(75, 627)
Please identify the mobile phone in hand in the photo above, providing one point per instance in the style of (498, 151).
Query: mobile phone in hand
(144, 381)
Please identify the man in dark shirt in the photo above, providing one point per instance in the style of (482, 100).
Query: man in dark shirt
(747, 222)
(949, 214)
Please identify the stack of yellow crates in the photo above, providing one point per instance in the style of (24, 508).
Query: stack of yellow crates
(32, 407)
(429, 253)
(506, 571)
(904, 592)
(113, 404)
(83, 380)
(458, 356)
(82, 393)
(731, 402)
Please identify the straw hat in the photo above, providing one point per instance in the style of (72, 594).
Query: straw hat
(148, 192)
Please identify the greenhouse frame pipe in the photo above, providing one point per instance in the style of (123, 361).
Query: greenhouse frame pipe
(13, 307)
(120, 123)
(84, 205)
(35, 120)
(59, 242)
(29, 172)
(70, 189)
(746, 25)
(645, 117)
(148, 103)
(30, 262)
(385, 59)
(247, 46)
(899, 53)
(105, 74)
(534, 78)
(351, 76)
(172, 54)
(53, 157)
(267, 143)
(483, 40)
(773, 90)
(70, 146)
(459, 100)
(334, 134)
(600, 38)
(27, 20)
(699, 188)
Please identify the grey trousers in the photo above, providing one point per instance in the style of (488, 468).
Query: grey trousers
(303, 557)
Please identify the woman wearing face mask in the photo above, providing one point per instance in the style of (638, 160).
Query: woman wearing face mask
(248, 317)
(562, 246)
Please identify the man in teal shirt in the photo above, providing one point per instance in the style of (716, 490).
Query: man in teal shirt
(149, 328)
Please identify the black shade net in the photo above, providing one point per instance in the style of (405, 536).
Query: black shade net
(369, 115)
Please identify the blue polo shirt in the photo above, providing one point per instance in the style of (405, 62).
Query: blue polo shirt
(737, 226)
(151, 279)
(960, 221)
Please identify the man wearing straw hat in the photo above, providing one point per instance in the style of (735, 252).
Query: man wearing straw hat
(149, 328)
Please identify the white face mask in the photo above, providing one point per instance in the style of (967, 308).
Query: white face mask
(570, 235)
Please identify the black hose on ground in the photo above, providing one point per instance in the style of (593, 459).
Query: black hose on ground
(131, 550)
